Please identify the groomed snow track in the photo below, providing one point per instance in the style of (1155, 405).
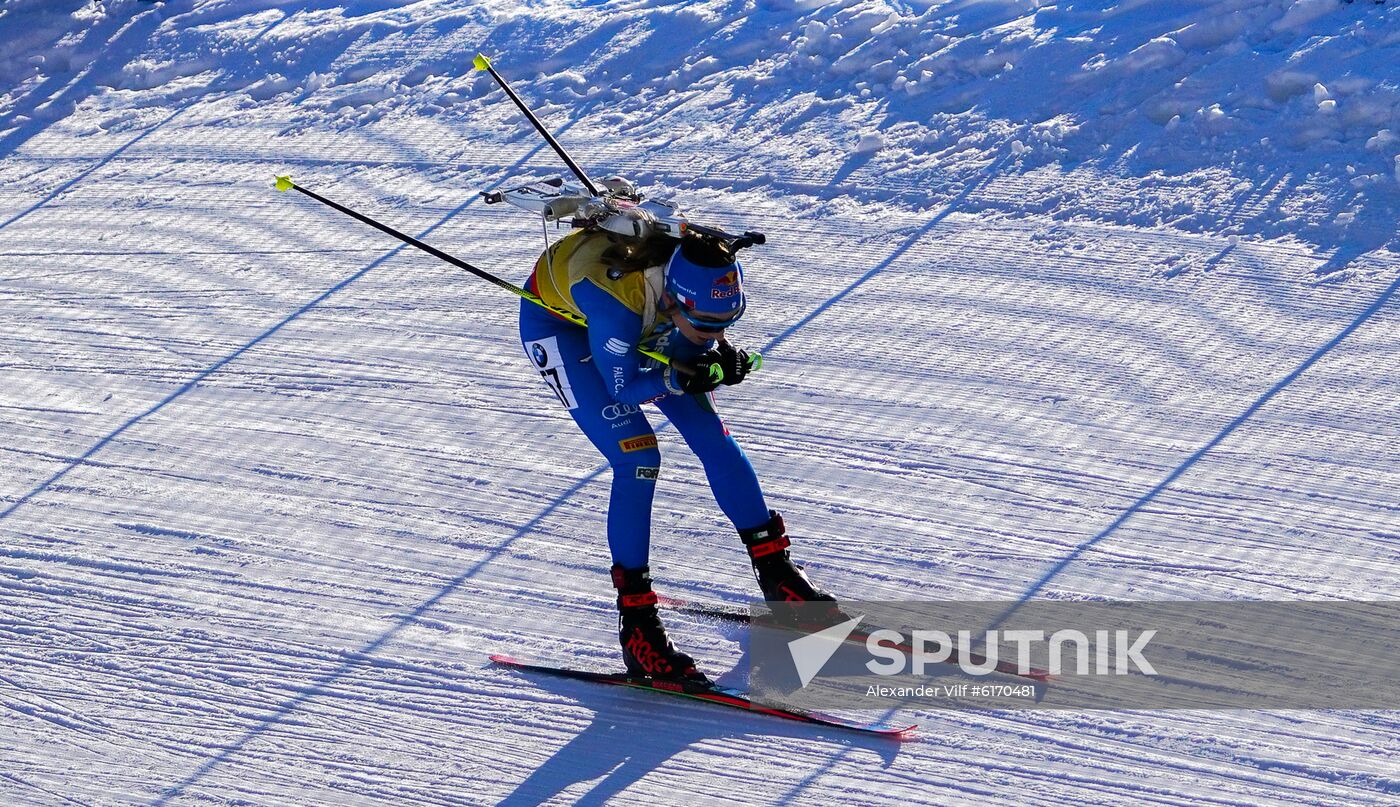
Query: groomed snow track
(272, 488)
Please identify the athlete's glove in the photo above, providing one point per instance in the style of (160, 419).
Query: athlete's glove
(735, 363)
(722, 365)
(705, 378)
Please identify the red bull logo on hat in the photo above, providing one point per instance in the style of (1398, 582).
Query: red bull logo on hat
(726, 286)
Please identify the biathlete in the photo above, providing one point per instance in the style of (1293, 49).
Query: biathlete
(676, 299)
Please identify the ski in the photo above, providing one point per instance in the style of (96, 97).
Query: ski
(741, 616)
(710, 693)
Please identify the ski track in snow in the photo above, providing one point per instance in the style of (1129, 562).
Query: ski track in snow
(258, 538)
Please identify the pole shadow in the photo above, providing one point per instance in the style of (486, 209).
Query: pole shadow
(240, 351)
(362, 656)
(972, 186)
(1200, 453)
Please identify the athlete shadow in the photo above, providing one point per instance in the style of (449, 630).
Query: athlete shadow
(633, 733)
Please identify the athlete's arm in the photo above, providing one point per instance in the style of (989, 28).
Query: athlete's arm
(613, 331)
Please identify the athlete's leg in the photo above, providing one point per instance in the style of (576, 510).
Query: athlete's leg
(736, 488)
(730, 474)
(559, 352)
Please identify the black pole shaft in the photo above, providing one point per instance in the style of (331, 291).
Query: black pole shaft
(539, 127)
(481, 273)
(408, 239)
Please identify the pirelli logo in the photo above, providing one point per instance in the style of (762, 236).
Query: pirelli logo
(638, 443)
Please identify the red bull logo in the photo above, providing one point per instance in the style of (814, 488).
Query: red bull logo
(726, 285)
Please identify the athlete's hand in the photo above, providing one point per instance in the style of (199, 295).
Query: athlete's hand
(734, 363)
(706, 376)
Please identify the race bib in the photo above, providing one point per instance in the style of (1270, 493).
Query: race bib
(545, 355)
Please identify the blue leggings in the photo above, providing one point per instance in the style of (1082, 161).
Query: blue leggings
(623, 435)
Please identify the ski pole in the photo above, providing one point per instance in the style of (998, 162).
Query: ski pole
(748, 239)
(483, 63)
(284, 183)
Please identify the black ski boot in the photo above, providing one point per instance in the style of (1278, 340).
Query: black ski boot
(780, 578)
(646, 649)
(783, 581)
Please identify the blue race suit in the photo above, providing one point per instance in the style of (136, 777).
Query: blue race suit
(598, 375)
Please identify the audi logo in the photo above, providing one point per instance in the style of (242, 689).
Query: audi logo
(619, 410)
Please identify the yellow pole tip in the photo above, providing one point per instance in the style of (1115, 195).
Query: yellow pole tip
(481, 62)
(284, 183)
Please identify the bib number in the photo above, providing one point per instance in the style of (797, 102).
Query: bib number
(544, 353)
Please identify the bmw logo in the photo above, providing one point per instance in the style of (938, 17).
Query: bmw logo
(541, 355)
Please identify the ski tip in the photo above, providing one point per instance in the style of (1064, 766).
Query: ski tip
(503, 659)
(879, 729)
(284, 182)
(481, 62)
(755, 361)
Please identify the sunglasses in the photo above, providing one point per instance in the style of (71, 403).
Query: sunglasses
(710, 325)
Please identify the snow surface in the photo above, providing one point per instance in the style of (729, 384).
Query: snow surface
(1073, 300)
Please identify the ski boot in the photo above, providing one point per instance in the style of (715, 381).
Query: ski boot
(646, 649)
(783, 582)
